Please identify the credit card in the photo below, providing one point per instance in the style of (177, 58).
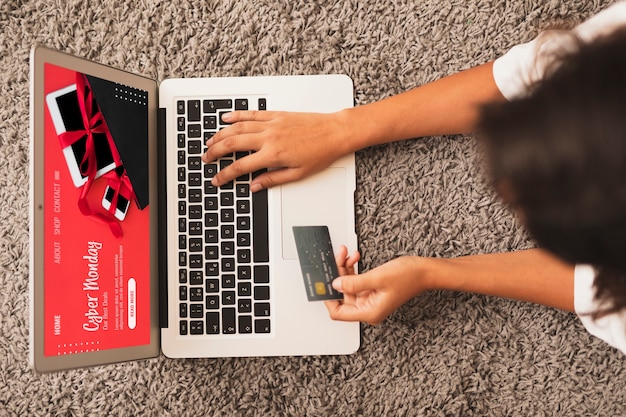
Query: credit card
(317, 261)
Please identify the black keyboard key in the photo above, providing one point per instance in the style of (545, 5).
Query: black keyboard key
(243, 239)
(261, 293)
(242, 190)
(227, 199)
(182, 174)
(196, 278)
(212, 269)
(212, 285)
(194, 147)
(210, 170)
(244, 289)
(225, 163)
(194, 195)
(180, 107)
(262, 326)
(182, 242)
(182, 190)
(182, 310)
(193, 110)
(260, 235)
(243, 207)
(181, 140)
(182, 258)
(228, 298)
(241, 104)
(196, 294)
(261, 274)
(194, 163)
(211, 252)
(227, 215)
(182, 225)
(212, 302)
(194, 179)
(196, 311)
(212, 322)
(228, 248)
(183, 328)
(228, 232)
(180, 123)
(262, 104)
(211, 236)
(228, 281)
(195, 212)
(243, 256)
(209, 188)
(244, 306)
(182, 208)
(195, 244)
(182, 157)
(210, 220)
(182, 293)
(195, 228)
(182, 276)
(243, 223)
(245, 324)
(210, 203)
(196, 327)
(195, 261)
(244, 272)
(209, 122)
(222, 122)
(262, 309)
(228, 321)
(194, 131)
(211, 106)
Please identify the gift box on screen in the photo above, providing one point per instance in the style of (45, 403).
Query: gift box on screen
(125, 111)
(102, 129)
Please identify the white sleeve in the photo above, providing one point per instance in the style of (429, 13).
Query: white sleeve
(610, 328)
(523, 65)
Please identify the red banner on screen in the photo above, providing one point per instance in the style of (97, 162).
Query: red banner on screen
(97, 282)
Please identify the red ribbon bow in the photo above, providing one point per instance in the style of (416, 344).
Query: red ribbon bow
(93, 122)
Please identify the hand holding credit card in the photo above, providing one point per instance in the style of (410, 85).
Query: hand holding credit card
(317, 261)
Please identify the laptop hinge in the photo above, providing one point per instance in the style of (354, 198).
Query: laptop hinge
(162, 217)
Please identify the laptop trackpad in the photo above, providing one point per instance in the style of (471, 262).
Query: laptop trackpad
(316, 201)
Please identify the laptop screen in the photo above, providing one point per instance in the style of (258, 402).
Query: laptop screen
(96, 234)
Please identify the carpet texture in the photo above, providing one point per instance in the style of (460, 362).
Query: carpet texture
(442, 354)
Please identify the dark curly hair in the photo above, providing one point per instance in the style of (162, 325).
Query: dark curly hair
(561, 152)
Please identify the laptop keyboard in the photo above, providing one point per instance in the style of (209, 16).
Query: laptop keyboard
(223, 258)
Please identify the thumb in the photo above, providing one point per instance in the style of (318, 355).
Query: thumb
(272, 178)
(353, 284)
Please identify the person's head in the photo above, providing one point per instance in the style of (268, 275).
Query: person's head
(560, 156)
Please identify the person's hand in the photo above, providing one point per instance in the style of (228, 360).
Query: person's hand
(372, 296)
(293, 145)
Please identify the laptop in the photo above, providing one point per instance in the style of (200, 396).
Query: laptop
(133, 252)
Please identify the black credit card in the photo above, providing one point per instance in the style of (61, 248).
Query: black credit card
(317, 261)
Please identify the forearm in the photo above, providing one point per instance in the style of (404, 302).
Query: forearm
(531, 275)
(449, 105)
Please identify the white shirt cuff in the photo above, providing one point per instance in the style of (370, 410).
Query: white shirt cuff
(610, 328)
